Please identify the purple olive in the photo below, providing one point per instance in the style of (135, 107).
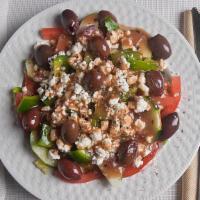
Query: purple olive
(102, 16)
(155, 82)
(70, 21)
(31, 119)
(160, 47)
(98, 47)
(69, 170)
(70, 131)
(41, 55)
(127, 152)
(170, 125)
(94, 80)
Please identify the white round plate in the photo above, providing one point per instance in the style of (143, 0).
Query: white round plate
(171, 160)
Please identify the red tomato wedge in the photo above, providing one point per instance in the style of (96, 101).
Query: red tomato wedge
(64, 42)
(30, 85)
(51, 33)
(129, 171)
(171, 101)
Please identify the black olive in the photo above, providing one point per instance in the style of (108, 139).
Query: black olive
(127, 152)
(170, 125)
(41, 55)
(94, 80)
(160, 47)
(98, 47)
(70, 131)
(70, 21)
(155, 82)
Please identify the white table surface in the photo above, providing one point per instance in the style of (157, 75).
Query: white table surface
(15, 12)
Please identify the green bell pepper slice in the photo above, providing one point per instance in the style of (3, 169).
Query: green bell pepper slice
(129, 54)
(27, 103)
(44, 139)
(16, 90)
(80, 156)
(58, 62)
(144, 65)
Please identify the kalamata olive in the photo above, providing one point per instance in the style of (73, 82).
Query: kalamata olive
(127, 152)
(94, 80)
(170, 125)
(160, 47)
(70, 130)
(41, 55)
(69, 170)
(31, 119)
(102, 16)
(98, 47)
(155, 82)
(70, 21)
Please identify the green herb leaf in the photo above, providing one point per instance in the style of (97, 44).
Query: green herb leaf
(110, 24)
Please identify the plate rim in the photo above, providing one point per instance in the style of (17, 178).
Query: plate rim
(175, 30)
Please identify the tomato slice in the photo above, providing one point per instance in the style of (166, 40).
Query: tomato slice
(171, 101)
(63, 43)
(89, 176)
(31, 86)
(51, 33)
(130, 170)
(175, 88)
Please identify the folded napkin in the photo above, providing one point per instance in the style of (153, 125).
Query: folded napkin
(190, 177)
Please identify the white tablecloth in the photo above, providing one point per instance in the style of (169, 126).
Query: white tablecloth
(15, 12)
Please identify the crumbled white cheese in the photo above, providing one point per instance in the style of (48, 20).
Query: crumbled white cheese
(81, 94)
(32, 121)
(53, 154)
(101, 155)
(64, 78)
(112, 46)
(77, 48)
(138, 161)
(62, 146)
(142, 86)
(46, 108)
(140, 124)
(124, 61)
(113, 101)
(53, 81)
(141, 105)
(121, 80)
(24, 89)
(96, 136)
(83, 142)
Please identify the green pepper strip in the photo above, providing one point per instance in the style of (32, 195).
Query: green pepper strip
(16, 90)
(80, 156)
(44, 140)
(27, 103)
(144, 65)
(58, 62)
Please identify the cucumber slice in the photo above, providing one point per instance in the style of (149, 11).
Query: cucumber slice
(42, 166)
(29, 68)
(152, 118)
(113, 175)
(41, 152)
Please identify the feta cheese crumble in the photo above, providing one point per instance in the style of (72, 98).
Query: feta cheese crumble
(141, 105)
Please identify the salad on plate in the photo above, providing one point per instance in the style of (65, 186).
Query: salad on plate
(97, 99)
